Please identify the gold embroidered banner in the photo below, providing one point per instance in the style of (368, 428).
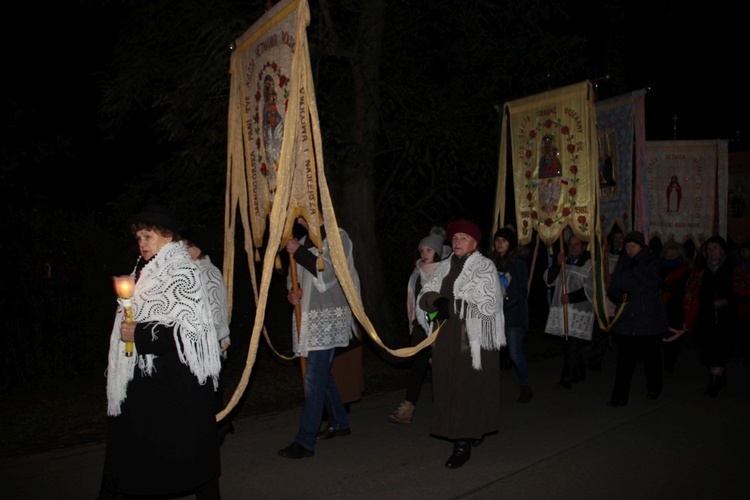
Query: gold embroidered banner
(554, 162)
(686, 190)
(275, 167)
(272, 107)
(555, 172)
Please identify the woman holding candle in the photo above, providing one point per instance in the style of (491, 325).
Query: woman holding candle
(161, 426)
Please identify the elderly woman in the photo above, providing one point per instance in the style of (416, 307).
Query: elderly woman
(161, 425)
(463, 297)
(716, 287)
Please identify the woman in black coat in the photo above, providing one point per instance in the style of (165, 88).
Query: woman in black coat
(162, 437)
(717, 286)
(641, 320)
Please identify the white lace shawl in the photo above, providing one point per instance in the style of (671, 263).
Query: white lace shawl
(168, 291)
(478, 289)
(217, 297)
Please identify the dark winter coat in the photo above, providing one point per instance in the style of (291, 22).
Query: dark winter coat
(466, 401)
(637, 280)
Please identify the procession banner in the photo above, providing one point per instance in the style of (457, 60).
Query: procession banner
(555, 173)
(617, 120)
(685, 185)
(554, 161)
(272, 79)
(275, 169)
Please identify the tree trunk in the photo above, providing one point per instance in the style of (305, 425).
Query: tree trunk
(357, 181)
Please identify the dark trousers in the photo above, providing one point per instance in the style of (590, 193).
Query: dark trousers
(630, 350)
(574, 368)
(599, 346)
(671, 350)
(419, 364)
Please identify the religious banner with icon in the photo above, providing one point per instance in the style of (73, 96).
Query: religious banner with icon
(686, 187)
(555, 173)
(554, 163)
(619, 121)
(272, 99)
(275, 169)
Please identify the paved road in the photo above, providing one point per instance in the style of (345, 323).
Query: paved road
(565, 444)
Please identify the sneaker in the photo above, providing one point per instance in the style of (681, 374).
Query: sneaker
(403, 414)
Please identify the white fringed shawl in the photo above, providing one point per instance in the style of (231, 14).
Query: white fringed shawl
(217, 297)
(478, 289)
(168, 291)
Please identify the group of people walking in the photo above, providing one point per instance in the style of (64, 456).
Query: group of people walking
(659, 301)
(163, 398)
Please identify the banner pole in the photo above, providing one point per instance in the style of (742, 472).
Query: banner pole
(563, 282)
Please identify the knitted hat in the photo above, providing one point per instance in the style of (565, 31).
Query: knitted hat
(466, 227)
(508, 235)
(158, 215)
(434, 240)
(635, 237)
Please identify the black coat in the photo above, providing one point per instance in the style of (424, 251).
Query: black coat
(637, 279)
(165, 440)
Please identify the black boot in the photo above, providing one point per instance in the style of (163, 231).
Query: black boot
(714, 384)
(526, 394)
(461, 453)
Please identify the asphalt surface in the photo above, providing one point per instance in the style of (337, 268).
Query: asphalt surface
(564, 444)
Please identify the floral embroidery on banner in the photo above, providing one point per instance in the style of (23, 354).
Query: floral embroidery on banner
(555, 183)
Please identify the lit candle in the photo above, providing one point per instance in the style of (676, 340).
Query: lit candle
(124, 286)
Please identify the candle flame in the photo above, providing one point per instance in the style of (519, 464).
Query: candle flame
(124, 286)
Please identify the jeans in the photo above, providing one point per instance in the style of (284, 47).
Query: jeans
(514, 336)
(320, 392)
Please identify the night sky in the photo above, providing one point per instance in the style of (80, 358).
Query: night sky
(689, 60)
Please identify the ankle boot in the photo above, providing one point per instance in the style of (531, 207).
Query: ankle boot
(525, 394)
(461, 453)
(714, 384)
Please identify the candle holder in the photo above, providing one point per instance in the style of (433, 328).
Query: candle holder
(124, 286)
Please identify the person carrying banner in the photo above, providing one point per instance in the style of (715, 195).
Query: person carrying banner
(463, 297)
(571, 312)
(327, 323)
